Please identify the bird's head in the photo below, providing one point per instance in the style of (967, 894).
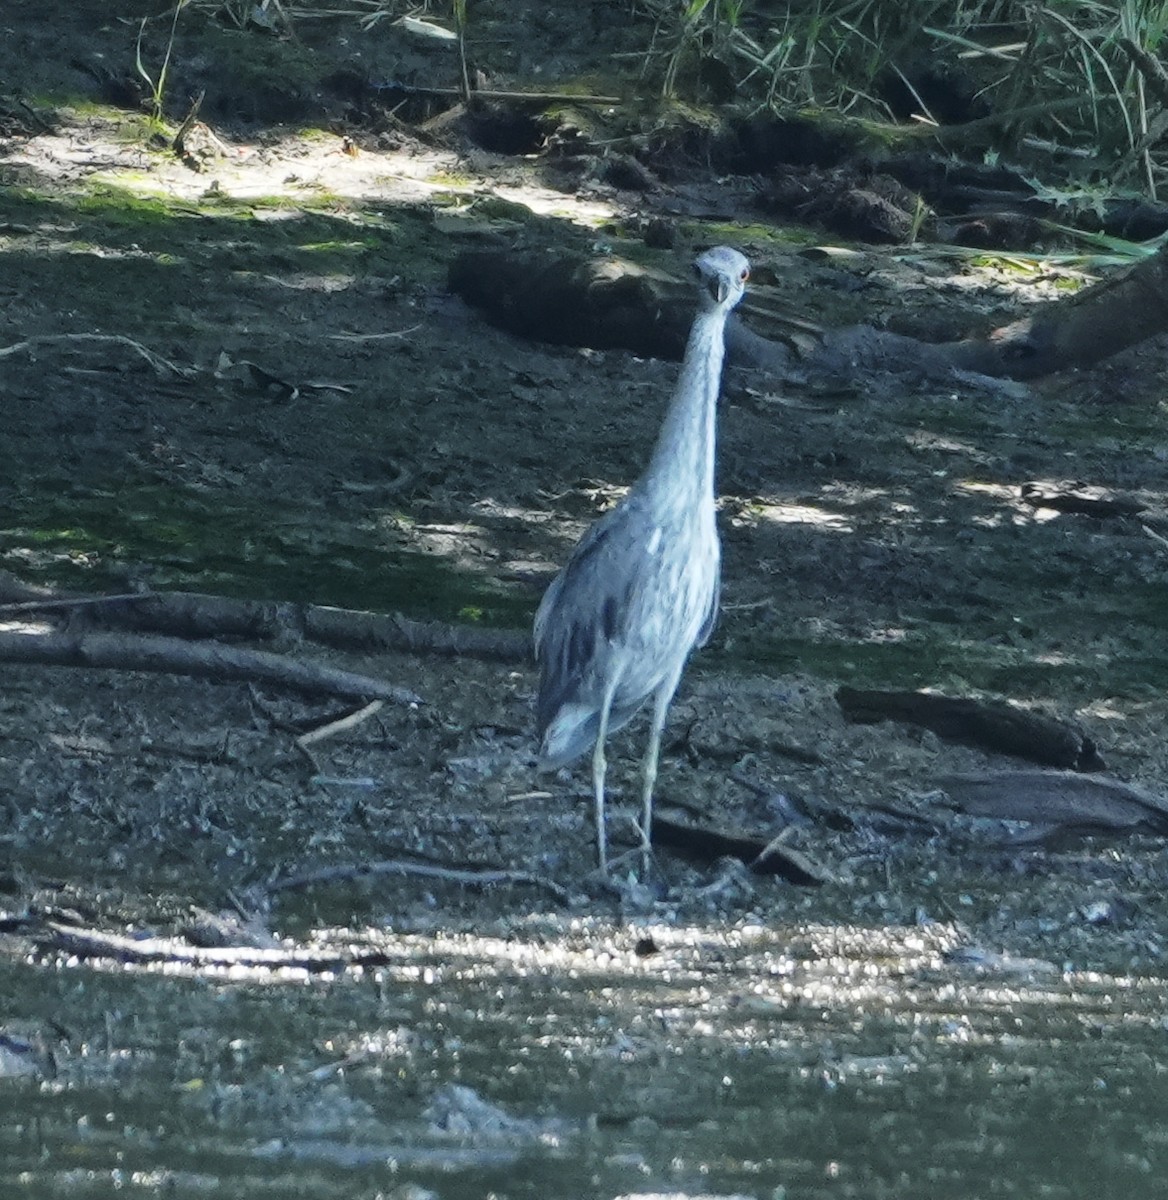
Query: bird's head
(722, 274)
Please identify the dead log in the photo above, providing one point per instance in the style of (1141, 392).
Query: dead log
(609, 303)
(605, 303)
(1077, 332)
(198, 615)
(132, 652)
(1081, 330)
(987, 724)
(1059, 801)
(391, 631)
(55, 937)
(762, 856)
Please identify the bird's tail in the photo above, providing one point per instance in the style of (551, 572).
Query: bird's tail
(572, 732)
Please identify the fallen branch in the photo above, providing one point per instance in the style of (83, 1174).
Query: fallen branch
(762, 856)
(982, 129)
(609, 303)
(391, 631)
(988, 724)
(1156, 537)
(476, 877)
(51, 603)
(195, 614)
(160, 364)
(1059, 801)
(123, 652)
(54, 937)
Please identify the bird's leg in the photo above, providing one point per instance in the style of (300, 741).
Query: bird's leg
(599, 766)
(598, 769)
(652, 753)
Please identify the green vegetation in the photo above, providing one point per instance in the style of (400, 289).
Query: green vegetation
(77, 530)
(1095, 60)
(88, 538)
(972, 658)
(1038, 80)
(157, 83)
(213, 231)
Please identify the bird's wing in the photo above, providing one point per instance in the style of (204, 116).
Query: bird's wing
(711, 617)
(584, 609)
(598, 569)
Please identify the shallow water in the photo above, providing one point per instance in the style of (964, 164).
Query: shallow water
(558, 1061)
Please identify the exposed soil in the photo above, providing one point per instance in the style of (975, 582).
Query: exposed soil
(419, 461)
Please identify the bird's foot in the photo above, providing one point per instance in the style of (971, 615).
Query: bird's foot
(630, 893)
(621, 881)
(733, 882)
(645, 850)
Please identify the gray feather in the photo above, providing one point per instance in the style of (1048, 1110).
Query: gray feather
(640, 590)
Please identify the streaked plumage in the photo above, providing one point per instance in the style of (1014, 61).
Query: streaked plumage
(640, 591)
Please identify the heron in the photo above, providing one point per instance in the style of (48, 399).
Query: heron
(640, 590)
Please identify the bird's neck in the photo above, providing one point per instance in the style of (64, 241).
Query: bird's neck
(684, 453)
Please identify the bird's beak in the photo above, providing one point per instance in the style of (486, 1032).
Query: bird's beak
(719, 288)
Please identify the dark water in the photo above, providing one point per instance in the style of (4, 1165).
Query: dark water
(811, 1061)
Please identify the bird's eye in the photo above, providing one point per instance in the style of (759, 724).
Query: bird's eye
(744, 274)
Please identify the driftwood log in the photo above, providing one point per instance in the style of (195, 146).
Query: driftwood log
(605, 303)
(185, 633)
(993, 725)
(197, 615)
(1081, 330)
(610, 303)
(762, 856)
(1059, 803)
(206, 659)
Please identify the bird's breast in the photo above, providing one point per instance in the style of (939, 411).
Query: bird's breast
(672, 598)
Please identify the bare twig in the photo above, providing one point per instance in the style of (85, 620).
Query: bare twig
(1156, 537)
(334, 727)
(373, 337)
(971, 130)
(191, 117)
